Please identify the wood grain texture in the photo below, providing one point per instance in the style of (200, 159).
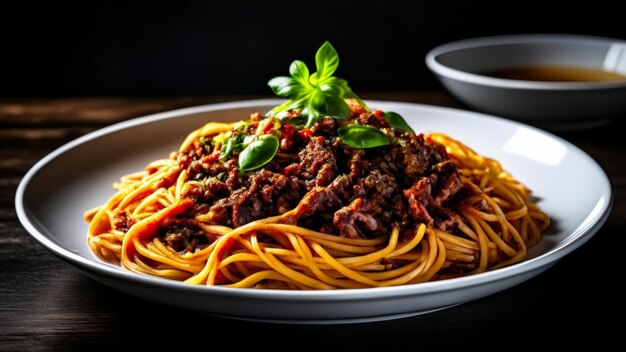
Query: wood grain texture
(46, 304)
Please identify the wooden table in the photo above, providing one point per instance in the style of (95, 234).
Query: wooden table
(47, 304)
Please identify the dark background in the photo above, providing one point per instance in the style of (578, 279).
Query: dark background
(161, 48)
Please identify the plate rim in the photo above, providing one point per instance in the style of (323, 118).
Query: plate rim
(576, 238)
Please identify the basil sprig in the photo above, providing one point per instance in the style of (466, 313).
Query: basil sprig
(258, 152)
(315, 95)
(359, 136)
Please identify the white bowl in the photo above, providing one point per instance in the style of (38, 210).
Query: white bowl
(460, 66)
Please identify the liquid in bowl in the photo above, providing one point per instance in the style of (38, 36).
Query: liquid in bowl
(556, 74)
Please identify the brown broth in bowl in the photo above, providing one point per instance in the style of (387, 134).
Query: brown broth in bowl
(556, 74)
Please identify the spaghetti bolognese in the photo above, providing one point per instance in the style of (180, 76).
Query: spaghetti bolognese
(305, 197)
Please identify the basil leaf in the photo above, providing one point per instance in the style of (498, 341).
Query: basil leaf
(358, 136)
(336, 81)
(331, 90)
(258, 153)
(299, 72)
(336, 107)
(284, 87)
(321, 104)
(312, 116)
(326, 61)
(396, 121)
(317, 101)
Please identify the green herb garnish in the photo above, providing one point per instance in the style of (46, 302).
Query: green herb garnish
(229, 146)
(259, 152)
(359, 136)
(315, 95)
(396, 121)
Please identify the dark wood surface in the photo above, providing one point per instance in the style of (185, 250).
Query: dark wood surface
(46, 304)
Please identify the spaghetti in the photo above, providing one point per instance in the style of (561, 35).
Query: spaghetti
(318, 215)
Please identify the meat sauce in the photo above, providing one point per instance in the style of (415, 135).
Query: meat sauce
(334, 188)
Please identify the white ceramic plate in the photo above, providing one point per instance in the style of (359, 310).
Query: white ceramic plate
(53, 195)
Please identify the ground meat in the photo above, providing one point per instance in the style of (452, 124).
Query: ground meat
(446, 219)
(383, 197)
(418, 197)
(221, 211)
(332, 187)
(351, 222)
(247, 207)
(288, 137)
(356, 165)
(428, 195)
(263, 193)
(375, 118)
(380, 185)
(321, 199)
(326, 126)
(360, 209)
(232, 180)
(212, 190)
(182, 237)
(122, 221)
(317, 163)
(449, 182)
(417, 157)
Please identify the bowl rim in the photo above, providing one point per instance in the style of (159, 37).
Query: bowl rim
(453, 73)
